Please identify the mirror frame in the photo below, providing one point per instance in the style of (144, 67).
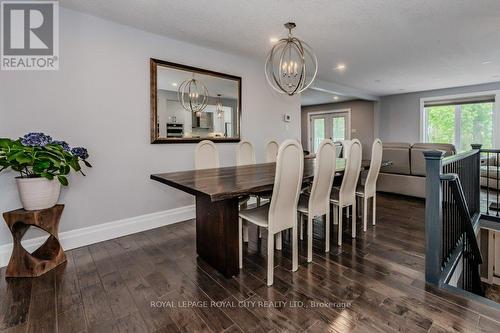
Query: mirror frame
(154, 135)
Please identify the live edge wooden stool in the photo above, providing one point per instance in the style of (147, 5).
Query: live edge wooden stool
(47, 256)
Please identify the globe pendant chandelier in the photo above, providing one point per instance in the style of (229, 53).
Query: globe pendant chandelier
(291, 65)
(193, 95)
(219, 107)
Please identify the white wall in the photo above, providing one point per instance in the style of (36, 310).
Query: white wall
(100, 99)
(399, 115)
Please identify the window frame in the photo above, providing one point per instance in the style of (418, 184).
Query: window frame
(496, 114)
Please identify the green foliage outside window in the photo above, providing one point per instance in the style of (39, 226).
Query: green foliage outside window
(441, 124)
(338, 128)
(476, 124)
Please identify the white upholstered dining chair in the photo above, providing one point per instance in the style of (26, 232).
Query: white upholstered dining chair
(206, 155)
(317, 203)
(369, 190)
(271, 155)
(281, 213)
(345, 196)
(245, 154)
(271, 151)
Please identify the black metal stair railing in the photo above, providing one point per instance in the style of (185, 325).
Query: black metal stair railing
(466, 167)
(453, 211)
(466, 238)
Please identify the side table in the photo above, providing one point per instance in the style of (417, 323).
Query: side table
(46, 257)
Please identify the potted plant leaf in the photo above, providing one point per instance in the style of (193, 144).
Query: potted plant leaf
(43, 165)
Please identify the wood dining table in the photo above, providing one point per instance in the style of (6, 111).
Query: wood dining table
(217, 192)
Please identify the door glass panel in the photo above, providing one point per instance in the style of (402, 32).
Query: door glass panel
(476, 125)
(338, 128)
(318, 132)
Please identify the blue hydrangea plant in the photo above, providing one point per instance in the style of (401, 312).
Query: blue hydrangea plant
(37, 155)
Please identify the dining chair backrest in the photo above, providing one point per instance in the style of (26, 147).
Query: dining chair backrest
(287, 186)
(272, 151)
(324, 171)
(245, 153)
(206, 155)
(347, 194)
(375, 164)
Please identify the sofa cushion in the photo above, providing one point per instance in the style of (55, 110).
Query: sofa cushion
(490, 183)
(399, 155)
(490, 172)
(417, 155)
(492, 160)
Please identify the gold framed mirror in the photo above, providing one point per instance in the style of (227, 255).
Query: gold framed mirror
(190, 104)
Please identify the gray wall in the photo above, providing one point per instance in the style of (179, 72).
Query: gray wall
(399, 115)
(362, 121)
(99, 99)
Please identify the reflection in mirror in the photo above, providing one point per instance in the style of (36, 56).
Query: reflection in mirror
(183, 112)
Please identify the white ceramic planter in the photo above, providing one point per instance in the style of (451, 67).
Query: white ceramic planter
(38, 193)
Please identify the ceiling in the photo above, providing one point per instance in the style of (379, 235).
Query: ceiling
(388, 46)
(312, 97)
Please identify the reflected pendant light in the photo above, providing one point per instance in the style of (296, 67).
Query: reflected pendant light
(219, 107)
(291, 65)
(193, 95)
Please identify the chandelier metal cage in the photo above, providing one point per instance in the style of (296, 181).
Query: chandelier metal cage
(193, 95)
(291, 65)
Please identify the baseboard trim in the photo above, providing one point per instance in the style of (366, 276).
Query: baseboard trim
(98, 233)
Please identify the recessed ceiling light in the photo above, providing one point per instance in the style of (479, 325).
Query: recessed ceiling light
(340, 67)
(174, 84)
(486, 62)
(273, 40)
(378, 81)
(335, 97)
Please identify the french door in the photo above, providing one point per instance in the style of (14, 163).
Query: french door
(328, 125)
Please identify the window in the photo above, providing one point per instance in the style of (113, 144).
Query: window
(460, 122)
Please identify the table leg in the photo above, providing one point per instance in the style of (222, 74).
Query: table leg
(217, 233)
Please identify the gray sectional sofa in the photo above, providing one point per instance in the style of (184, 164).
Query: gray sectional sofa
(406, 175)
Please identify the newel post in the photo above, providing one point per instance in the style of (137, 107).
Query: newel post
(433, 216)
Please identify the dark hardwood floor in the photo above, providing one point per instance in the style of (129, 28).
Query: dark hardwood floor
(153, 282)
